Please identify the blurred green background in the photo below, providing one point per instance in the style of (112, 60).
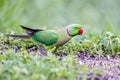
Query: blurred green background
(95, 15)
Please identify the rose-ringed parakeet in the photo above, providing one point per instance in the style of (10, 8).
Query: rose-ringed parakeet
(52, 38)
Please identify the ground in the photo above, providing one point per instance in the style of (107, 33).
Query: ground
(20, 59)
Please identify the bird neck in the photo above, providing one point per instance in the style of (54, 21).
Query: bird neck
(68, 32)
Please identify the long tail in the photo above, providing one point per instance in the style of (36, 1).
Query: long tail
(30, 31)
(19, 36)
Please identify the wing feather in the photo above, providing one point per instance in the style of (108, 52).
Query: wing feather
(46, 37)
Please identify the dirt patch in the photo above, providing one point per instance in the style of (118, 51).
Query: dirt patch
(109, 65)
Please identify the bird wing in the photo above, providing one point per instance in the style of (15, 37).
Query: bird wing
(46, 37)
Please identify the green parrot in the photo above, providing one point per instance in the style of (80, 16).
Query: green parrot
(52, 38)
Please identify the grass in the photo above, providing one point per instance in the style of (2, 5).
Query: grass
(104, 44)
(88, 57)
(18, 63)
(93, 16)
(35, 68)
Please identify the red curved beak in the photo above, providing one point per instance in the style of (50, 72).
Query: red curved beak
(80, 32)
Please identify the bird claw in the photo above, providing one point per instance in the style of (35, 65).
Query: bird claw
(42, 50)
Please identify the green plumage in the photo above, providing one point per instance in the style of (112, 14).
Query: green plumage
(52, 38)
(45, 37)
(63, 37)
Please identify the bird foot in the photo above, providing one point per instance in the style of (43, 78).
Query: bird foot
(42, 50)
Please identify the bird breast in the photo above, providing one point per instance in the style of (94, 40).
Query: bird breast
(63, 37)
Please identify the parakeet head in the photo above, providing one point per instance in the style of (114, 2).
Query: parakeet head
(74, 29)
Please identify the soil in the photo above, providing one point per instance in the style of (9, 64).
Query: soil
(109, 66)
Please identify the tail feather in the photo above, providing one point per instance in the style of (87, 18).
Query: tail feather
(19, 36)
(30, 31)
